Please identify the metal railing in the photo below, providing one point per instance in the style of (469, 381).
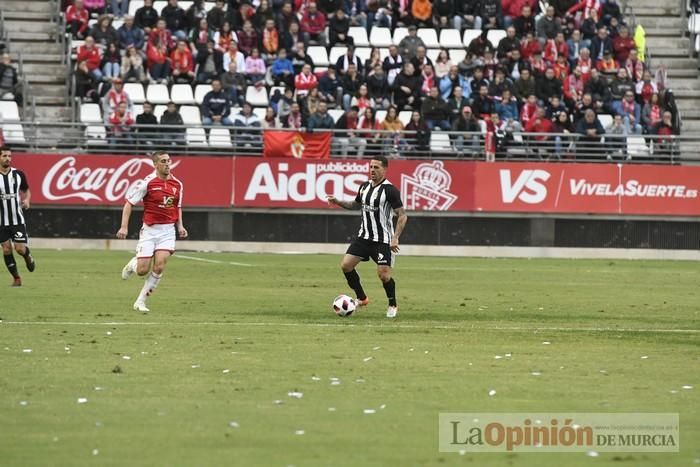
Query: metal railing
(246, 141)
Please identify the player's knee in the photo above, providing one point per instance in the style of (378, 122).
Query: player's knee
(346, 267)
(384, 276)
(158, 268)
(6, 249)
(19, 248)
(142, 269)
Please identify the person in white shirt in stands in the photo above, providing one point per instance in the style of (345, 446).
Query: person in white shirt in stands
(236, 55)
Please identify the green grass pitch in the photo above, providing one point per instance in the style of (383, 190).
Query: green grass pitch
(204, 379)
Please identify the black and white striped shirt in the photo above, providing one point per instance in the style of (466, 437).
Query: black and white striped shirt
(11, 184)
(378, 204)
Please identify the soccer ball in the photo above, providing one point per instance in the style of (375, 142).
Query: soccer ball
(343, 305)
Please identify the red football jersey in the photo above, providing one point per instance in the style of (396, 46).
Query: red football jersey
(161, 199)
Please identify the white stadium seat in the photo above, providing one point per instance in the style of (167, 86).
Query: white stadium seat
(381, 115)
(399, 33)
(117, 23)
(405, 117)
(260, 112)
(220, 138)
(605, 120)
(457, 55)
(363, 53)
(136, 110)
(181, 94)
(190, 115)
(383, 53)
(96, 135)
(135, 92)
(637, 147)
(196, 137)
(159, 5)
(336, 114)
(380, 37)
(157, 94)
(200, 91)
(433, 54)
(450, 38)
(470, 35)
(13, 133)
(90, 113)
(159, 110)
(134, 5)
(9, 112)
(694, 23)
(335, 53)
(359, 35)
(318, 54)
(495, 35)
(429, 37)
(257, 97)
(440, 142)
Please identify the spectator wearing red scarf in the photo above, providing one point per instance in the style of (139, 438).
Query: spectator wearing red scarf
(305, 81)
(313, 25)
(182, 63)
(623, 44)
(77, 18)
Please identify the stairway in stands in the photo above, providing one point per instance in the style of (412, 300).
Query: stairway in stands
(668, 44)
(33, 33)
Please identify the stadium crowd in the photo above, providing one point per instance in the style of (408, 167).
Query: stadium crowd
(559, 66)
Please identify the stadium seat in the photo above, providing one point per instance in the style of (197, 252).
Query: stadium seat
(495, 35)
(185, 5)
(694, 23)
(196, 137)
(135, 5)
(135, 92)
(405, 117)
(429, 37)
(450, 39)
(440, 142)
(318, 54)
(159, 5)
(335, 53)
(159, 110)
(260, 112)
(117, 23)
(136, 109)
(319, 71)
(157, 94)
(220, 138)
(380, 37)
(365, 52)
(96, 135)
(399, 33)
(257, 97)
(336, 114)
(383, 53)
(470, 35)
(9, 112)
(200, 91)
(209, 5)
(381, 115)
(90, 113)
(605, 120)
(182, 94)
(433, 54)
(359, 35)
(190, 115)
(13, 133)
(637, 147)
(457, 55)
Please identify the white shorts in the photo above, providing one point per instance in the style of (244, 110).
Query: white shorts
(152, 238)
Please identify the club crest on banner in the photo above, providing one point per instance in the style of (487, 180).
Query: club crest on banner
(428, 188)
(297, 147)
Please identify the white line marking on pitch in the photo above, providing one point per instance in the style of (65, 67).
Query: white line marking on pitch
(334, 325)
(214, 261)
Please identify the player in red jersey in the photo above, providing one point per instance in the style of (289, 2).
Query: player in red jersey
(161, 194)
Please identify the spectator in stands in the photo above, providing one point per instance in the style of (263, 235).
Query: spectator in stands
(524, 86)
(615, 137)
(428, 80)
(476, 81)
(538, 65)
(195, 14)
(270, 41)
(499, 84)
(247, 38)
(589, 27)
(200, 36)
(368, 121)
(132, 69)
(630, 112)
(304, 81)
(525, 22)
(450, 82)
(165, 38)
(442, 64)
(562, 125)
(482, 103)
(623, 44)
(466, 123)
(270, 121)
(422, 13)
(77, 18)
(310, 102)
(406, 88)
(548, 25)
(110, 62)
(491, 14)
(347, 137)
(255, 68)
(373, 60)
(351, 83)
(586, 103)
(620, 85)
(216, 106)
(539, 123)
(419, 134)
(652, 112)
(282, 70)
(408, 46)
(321, 120)
(392, 64)
(96, 7)
(343, 63)
(561, 68)
(665, 131)
(573, 88)
(146, 137)
(91, 54)
(528, 110)
(506, 45)
(330, 87)
(217, 15)
(282, 103)
(646, 88)
(608, 66)
(115, 96)
(103, 32)
(182, 64)
(130, 35)
(158, 61)
(146, 17)
(554, 107)
(394, 127)
(300, 58)
(175, 19)
(234, 55)
(456, 102)
(467, 15)
(635, 67)
(443, 13)
(611, 10)
(286, 17)
(402, 17)
(210, 64)
(601, 44)
(120, 8)
(561, 7)
(295, 119)
(338, 28)
(514, 65)
(435, 111)
(585, 63)
(263, 13)
(507, 107)
(591, 132)
(8, 78)
(85, 83)
(291, 38)
(313, 25)
(575, 44)
(588, 7)
(247, 125)
(420, 61)
(234, 84)
(171, 126)
(224, 36)
(120, 121)
(529, 46)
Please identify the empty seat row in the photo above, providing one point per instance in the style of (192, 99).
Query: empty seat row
(449, 38)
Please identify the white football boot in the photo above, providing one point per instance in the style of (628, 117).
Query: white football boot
(129, 269)
(141, 306)
(392, 311)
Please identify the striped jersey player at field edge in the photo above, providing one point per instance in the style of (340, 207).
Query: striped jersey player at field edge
(161, 194)
(377, 238)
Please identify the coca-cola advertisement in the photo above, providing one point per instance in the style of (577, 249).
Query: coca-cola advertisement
(68, 179)
(424, 185)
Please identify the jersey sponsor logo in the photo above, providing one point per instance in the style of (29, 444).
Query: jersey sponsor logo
(428, 188)
(274, 182)
(66, 180)
(168, 202)
(529, 187)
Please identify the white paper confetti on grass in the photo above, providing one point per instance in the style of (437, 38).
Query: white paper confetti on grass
(295, 394)
(226, 371)
(492, 392)
(687, 387)
(536, 373)
(109, 333)
(427, 351)
(592, 453)
(366, 359)
(67, 349)
(278, 402)
(233, 424)
(369, 411)
(335, 383)
(315, 378)
(644, 357)
(462, 452)
(546, 343)
(27, 350)
(498, 357)
(331, 409)
(95, 452)
(196, 365)
(99, 388)
(376, 348)
(382, 407)
(509, 355)
(673, 391)
(82, 400)
(411, 349)
(23, 403)
(359, 380)
(126, 357)
(299, 432)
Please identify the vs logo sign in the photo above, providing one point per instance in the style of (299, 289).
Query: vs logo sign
(529, 187)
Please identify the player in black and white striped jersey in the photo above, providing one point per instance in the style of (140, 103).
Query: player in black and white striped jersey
(379, 201)
(14, 197)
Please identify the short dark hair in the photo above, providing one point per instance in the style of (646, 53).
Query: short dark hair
(5, 148)
(383, 160)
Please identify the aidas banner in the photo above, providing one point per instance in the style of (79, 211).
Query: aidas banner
(299, 145)
(102, 180)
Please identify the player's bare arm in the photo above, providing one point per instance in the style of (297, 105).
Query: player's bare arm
(181, 231)
(401, 219)
(26, 200)
(349, 205)
(126, 214)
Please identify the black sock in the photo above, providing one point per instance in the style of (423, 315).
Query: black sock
(26, 252)
(353, 279)
(390, 289)
(11, 265)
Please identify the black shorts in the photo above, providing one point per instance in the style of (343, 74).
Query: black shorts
(16, 233)
(366, 249)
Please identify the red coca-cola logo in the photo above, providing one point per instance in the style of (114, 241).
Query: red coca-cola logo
(66, 180)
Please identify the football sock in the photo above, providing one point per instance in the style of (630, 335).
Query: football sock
(390, 289)
(149, 285)
(353, 279)
(26, 252)
(11, 265)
